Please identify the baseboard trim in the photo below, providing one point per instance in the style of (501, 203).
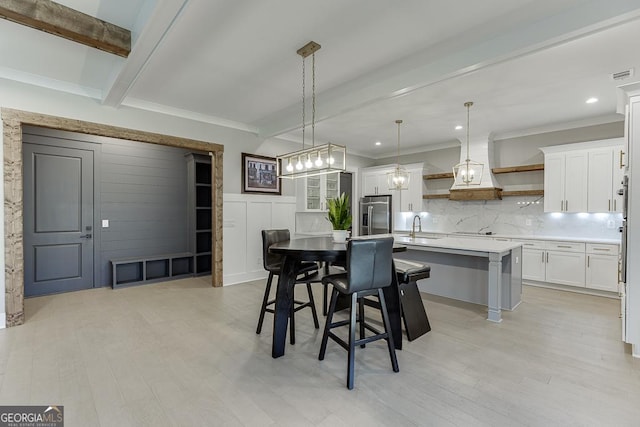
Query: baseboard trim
(234, 279)
(574, 289)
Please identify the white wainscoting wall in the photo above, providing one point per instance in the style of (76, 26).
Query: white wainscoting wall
(244, 216)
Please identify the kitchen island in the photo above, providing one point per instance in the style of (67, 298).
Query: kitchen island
(477, 270)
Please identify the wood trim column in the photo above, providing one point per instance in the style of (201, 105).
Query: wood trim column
(13, 243)
(217, 244)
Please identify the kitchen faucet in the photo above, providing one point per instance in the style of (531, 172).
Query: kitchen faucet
(413, 226)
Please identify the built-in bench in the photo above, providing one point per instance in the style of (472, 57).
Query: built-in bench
(131, 271)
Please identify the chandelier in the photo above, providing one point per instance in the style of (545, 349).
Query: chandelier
(314, 160)
(468, 172)
(398, 179)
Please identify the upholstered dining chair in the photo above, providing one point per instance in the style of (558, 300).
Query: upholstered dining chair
(273, 264)
(369, 270)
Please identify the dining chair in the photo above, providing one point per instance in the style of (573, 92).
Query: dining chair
(273, 264)
(369, 271)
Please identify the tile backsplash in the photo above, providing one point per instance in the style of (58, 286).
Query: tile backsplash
(511, 216)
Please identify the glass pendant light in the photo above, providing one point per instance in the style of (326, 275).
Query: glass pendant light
(335, 155)
(398, 179)
(468, 172)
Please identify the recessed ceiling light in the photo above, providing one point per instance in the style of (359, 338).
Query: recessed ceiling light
(592, 100)
(378, 143)
(458, 127)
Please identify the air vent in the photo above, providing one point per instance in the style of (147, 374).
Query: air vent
(621, 75)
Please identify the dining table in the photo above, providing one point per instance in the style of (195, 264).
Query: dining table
(321, 249)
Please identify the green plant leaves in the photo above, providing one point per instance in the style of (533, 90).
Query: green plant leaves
(338, 214)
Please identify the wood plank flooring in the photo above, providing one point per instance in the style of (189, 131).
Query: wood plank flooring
(182, 353)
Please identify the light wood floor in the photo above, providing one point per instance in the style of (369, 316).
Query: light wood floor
(183, 353)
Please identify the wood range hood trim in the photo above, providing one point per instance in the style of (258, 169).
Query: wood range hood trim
(484, 193)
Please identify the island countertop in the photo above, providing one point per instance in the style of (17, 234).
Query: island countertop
(486, 245)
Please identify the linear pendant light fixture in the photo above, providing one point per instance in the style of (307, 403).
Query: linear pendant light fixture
(315, 160)
(468, 172)
(398, 179)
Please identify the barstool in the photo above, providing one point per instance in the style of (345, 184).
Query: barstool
(416, 322)
(368, 272)
(273, 264)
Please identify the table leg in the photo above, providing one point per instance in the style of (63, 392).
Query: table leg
(392, 298)
(284, 299)
(495, 288)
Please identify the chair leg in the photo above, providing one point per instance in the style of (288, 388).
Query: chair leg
(324, 298)
(327, 324)
(292, 321)
(325, 287)
(387, 330)
(265, 301)
(361, 317)
(352, 340)
(313, 306)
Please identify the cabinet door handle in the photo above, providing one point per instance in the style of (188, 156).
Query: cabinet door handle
(621, 154)
(588, 261)
(561, 205)
(615, 205)
(543, 257)
(547, 257)
(601, 249)
(563, 246)
(609, 204)
(566, 205)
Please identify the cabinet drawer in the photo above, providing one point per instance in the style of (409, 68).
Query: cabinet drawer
(532, 244)
(602, 249)
(565, 246)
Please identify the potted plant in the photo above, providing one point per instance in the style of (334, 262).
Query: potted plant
(340, 217)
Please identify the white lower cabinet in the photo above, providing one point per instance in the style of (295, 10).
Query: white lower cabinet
(565, 268)
(533, 267)
(593, 266)
(602, 267)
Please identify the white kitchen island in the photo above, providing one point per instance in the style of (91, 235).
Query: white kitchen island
(477, 270)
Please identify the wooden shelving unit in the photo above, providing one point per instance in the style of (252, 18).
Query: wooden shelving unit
(525, 168)
(523, 193)
(510, 169)
(439, 175)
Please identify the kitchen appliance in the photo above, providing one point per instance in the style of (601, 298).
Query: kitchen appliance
(624, 192)
(375, 215)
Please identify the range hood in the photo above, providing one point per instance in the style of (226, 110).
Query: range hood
(481, 151)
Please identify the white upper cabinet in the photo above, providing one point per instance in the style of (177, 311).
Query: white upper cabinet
(314, 191)
(583, 177)
(374, 182)
(565, 182)
(411, 199)
(606, 170)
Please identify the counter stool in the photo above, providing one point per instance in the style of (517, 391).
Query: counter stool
(273, 264)
(415, 318)
(368, 272)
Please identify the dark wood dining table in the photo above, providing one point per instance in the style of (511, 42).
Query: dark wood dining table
(326, 250)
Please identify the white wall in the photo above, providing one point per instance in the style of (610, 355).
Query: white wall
(245, 215)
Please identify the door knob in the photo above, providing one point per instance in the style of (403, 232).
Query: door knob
(86, 236)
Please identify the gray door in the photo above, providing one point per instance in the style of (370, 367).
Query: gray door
(58, 219)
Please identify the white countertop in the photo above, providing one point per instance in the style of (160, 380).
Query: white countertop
(515, 237)
(480, 244)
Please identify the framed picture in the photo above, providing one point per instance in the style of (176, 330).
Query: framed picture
(260, 174)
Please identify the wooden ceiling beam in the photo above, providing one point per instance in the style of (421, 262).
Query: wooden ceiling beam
(54, 18)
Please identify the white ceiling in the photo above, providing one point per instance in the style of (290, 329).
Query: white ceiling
(527, 64)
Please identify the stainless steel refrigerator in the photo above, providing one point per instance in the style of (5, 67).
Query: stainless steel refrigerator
(375, 215)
